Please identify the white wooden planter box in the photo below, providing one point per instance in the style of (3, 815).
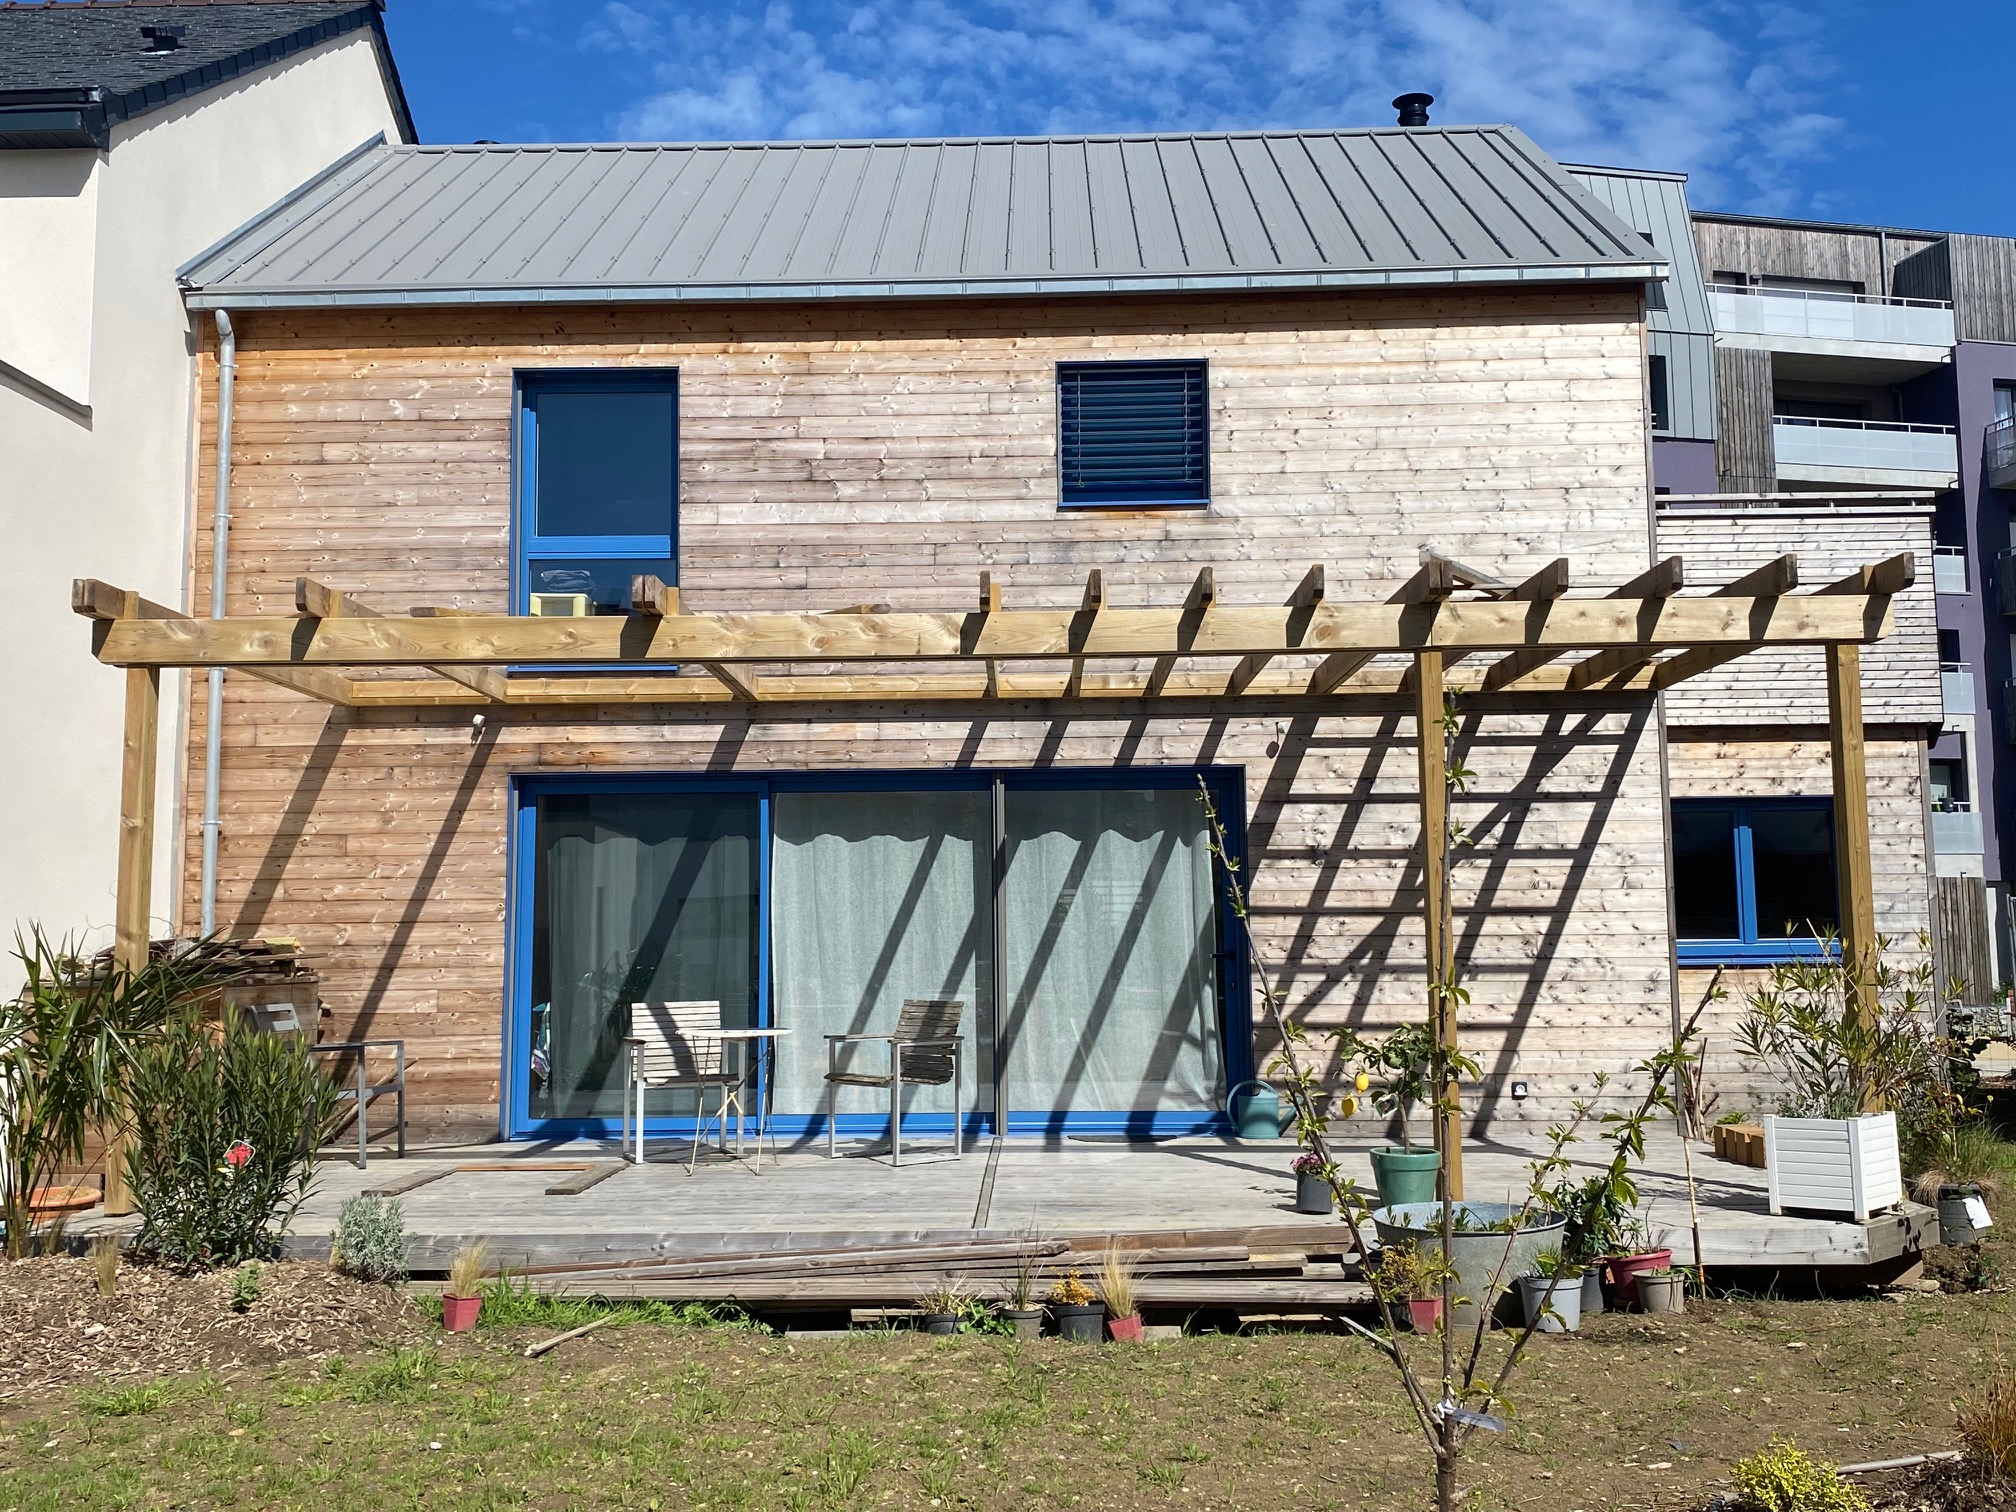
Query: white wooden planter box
(1833, 1165)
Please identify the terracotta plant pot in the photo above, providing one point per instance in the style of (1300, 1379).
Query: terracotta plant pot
(1313, 1194)
(1624, 1271)
(1082, 1323)
(1425, 1313)
(1127, 1330)
(458, 1314)
(1026, 1321)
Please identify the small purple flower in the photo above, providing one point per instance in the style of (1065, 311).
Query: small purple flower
(1308, 1163)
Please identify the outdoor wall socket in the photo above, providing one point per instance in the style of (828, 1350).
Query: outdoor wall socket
(1520, 1089)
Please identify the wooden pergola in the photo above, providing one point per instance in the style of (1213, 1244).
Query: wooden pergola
(1449, 629)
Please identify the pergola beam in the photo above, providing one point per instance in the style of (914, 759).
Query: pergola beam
(106, 604)
(1199, 601)
(318, 601)
(1431, 585)
(1663, 580)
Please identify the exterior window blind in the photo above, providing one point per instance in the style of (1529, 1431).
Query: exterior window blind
(1132, 433)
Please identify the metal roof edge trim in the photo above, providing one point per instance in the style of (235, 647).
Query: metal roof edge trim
(1666, 174)
(278, 208)
(251, 298)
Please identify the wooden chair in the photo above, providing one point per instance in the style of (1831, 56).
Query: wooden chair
(924, 1051)
(670, 1045)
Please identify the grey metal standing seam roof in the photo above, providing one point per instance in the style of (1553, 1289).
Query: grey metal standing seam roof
(973, 216)
(1655, 204)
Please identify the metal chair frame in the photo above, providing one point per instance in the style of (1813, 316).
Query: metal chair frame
(917, 1016)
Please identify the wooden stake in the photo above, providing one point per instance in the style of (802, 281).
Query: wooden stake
(1433, 767)
(133, 907)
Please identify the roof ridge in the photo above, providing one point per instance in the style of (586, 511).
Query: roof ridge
(969, 140)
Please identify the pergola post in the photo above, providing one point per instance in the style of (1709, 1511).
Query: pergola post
(133, 905)
(1432, 761)
(1854, 878)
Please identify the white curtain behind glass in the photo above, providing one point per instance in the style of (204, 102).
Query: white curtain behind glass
(1110, 952)
(874, 898)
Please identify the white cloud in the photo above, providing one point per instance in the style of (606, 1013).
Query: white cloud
(1725, 92)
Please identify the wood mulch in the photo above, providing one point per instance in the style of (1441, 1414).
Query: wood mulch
(160, 1322)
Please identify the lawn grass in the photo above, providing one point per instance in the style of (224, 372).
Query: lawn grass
(1633, 1412)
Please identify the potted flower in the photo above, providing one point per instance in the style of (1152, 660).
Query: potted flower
(1116, 1290)
(1312, 1187)
(1404, 1272)
(1842, 1040)
(1662, 1290)
(942, 1307)
(1635, 1252)
(1403, 1175)
(1963, 1171)
(1552, 1296)
(1077, 1309)
(1022, 1312)
(463, 1298)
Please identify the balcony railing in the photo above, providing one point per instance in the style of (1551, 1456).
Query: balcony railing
(1956, 688)
(1956, 828)
(1999, 448)
(1868, 445)
(1949, 569)
(1813, 315)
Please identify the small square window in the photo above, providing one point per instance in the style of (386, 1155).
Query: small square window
(598, 487)
(1132, 433)
(1754, 881)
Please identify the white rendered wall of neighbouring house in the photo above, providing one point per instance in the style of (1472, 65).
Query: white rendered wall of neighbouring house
(97, 409)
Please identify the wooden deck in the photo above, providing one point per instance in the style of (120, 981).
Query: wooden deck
(548, 1205)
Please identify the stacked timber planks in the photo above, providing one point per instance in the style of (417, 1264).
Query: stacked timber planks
(1177, 1271)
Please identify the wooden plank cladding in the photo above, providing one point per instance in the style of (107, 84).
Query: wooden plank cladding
(848, 454)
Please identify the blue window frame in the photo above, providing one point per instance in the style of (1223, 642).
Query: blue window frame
(1753, 880)
(1132, 433)
(596, 484)
(520, 1120)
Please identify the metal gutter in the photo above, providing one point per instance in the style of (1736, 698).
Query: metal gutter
(220, 541)
(253, 298)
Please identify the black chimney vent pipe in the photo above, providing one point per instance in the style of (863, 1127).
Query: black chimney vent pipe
(1413, 108)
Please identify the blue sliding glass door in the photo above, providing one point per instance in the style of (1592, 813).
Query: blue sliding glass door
(1077, 916)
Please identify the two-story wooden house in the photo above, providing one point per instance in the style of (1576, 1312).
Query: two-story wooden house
(814, 575)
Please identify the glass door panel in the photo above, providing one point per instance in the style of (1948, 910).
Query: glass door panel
(636, 897)
(1110, 946)
(877, 897)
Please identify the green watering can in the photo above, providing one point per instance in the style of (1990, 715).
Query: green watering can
(1255, 1110)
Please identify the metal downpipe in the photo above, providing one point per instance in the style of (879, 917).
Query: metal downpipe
(220, 540)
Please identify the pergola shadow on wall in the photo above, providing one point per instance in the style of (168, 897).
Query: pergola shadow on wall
(1450, 630)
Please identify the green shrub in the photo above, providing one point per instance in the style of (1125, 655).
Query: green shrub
(370, 1241)
(67, 1044)
(1785, 1478)
(245, 1287)
(224, 1128)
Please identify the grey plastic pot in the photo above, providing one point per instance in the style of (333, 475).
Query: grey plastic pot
(1477, 1254)
(1026, 1321)
(1081, 1323)
(1662, 1294)
(1313, 1194)
(941, 1323)
(1956, 1222)
(1558, 1311)
(1592, 1291)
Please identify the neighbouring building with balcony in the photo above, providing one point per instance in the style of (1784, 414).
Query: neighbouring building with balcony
(1870, 370)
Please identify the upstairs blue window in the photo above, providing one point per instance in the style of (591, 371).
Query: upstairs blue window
(1753, 881)
(1132, 433)
(598, 488)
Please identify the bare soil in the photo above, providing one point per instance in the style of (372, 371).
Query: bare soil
(158, 1322)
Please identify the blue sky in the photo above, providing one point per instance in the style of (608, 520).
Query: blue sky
(1843, 110)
